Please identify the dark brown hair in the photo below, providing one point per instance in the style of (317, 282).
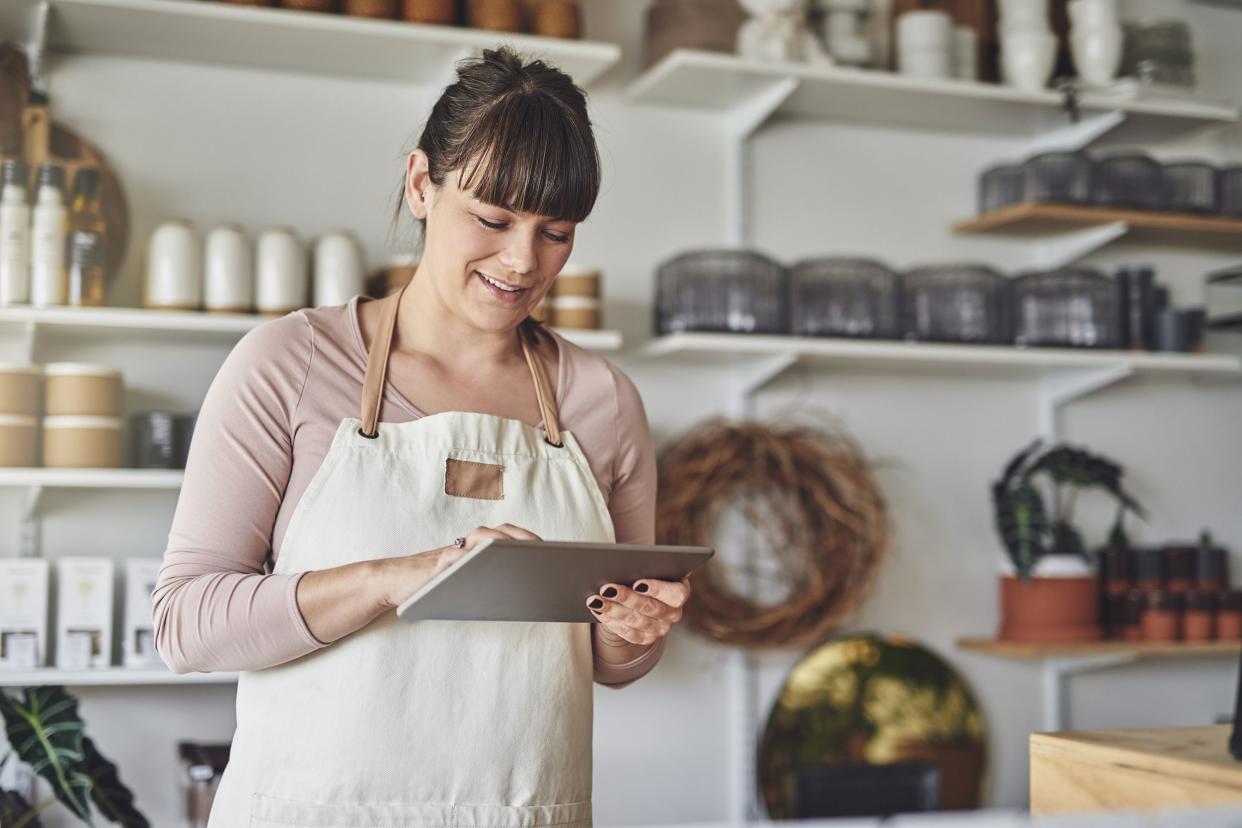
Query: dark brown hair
(518, 136)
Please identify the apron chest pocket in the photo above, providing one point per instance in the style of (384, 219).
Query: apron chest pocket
(481, 481)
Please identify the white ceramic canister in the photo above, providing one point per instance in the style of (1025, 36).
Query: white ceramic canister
(82, 442)
(19, 444)
(74, 388)
(174, 268)
(340, 274)
(965, 53)
(1097, 53)
(19, 389)
(1027, 59)
(281, 281)
(228, 271)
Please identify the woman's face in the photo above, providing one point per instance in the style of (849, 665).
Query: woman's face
(489, 265)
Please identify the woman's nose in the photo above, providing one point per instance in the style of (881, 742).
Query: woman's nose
(519, 254)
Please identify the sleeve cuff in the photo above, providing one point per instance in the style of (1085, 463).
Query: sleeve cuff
(295, 612)
(619, 675)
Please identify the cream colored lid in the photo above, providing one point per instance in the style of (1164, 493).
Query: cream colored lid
(17, 420)
(81, 421)
(18, 368)
(575, 302)
(65, 369)
(578, 269)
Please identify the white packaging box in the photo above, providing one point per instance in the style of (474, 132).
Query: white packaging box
(23, 613)
(138, 646)
(83, 613)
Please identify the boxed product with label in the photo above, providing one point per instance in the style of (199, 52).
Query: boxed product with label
(138, 646)
(83, 613)
(23, 613)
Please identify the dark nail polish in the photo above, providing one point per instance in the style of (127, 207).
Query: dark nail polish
(596, 604)
(610, 592)
(641, 588)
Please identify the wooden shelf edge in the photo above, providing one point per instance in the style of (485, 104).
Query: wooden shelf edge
(1016, 218)
(1033, 651)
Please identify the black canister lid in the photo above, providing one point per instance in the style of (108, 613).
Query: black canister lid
(52, 175)
(1149, 564)
(16, 172)
(1231, 601)
(1179, 561)
(86, 182)
(1210, 565)
(1117, 563)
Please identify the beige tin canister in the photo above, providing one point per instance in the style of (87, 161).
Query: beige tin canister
(78, 389)
(575, 312)
(19, 389)
(82, 442)
(19, 444)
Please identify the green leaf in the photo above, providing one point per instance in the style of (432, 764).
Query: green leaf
(114, 800)
(44, 727)
(15, 809)
(1022, 522)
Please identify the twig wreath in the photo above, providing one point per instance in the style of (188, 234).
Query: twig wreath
(808, 493)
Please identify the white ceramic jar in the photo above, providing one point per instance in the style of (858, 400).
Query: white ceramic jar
(228, 282)
(339, 272)
(1097, 53)
(965, 53)
(925, 44)
(1023, 16)
(1027, 59)
(174, 268)
(281, 281)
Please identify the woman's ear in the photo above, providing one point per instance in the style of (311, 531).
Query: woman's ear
(418, 184)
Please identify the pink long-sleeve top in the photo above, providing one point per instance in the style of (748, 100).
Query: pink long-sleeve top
(263, 431)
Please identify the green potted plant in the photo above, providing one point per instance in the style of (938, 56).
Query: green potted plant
(1051, 593)
(45, 731)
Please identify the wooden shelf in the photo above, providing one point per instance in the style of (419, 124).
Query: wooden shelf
(92, 478)
(726, 348)
(725, 84)
(1140, 649)
(131, 322)
(110, 677)
(1033, 219)
(278, 39)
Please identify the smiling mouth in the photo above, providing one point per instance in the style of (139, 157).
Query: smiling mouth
(501, 290)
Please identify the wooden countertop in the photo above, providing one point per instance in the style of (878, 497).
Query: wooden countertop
(1150, 769)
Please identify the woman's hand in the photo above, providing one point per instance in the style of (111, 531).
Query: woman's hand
(402, 577)
(642, 615)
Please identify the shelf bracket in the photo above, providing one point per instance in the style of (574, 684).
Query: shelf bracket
(1064, 249)
(1057, 670)
(741, 123)
(30, 341)
(1077, 135)
(1057, 390)
(31, 541)
(751, 376)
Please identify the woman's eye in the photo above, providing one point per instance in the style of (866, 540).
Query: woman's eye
(556, 237)
(491, 225)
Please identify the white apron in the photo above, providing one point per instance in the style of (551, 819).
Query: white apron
(434, 723)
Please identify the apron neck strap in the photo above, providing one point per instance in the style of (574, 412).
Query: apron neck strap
(377, 371)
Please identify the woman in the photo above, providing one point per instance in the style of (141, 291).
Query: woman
(335, 441)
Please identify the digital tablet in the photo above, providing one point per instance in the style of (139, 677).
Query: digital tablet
(520, 580)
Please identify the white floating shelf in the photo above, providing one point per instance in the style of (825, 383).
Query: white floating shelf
(92, 478)
(283, 40)
(137, 322)
(729, 85)
(110, 677)
(727, 348)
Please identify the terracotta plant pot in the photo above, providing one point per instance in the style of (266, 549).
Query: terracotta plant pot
(1049, 609)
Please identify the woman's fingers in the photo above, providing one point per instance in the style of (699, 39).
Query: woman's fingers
(502, 532)
(673, 593)
(517, 532)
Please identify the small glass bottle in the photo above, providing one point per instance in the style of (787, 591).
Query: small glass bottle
(1135, 605)
(1229, 615)
(1199, 623)
(1162, 618)
(14, 234)
(87, 241)
(47, 238)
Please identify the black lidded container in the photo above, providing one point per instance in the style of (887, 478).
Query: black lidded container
(1192, 187)
(1211, 565)
(1059, 177)
(1129, 180)
(1230, 183)
(957, 303)
(1149, 569)
(153, 435)
(1136, 285)
(722, 290)
(1001, 186)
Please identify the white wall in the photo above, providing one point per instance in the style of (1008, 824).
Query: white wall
(214, 144)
